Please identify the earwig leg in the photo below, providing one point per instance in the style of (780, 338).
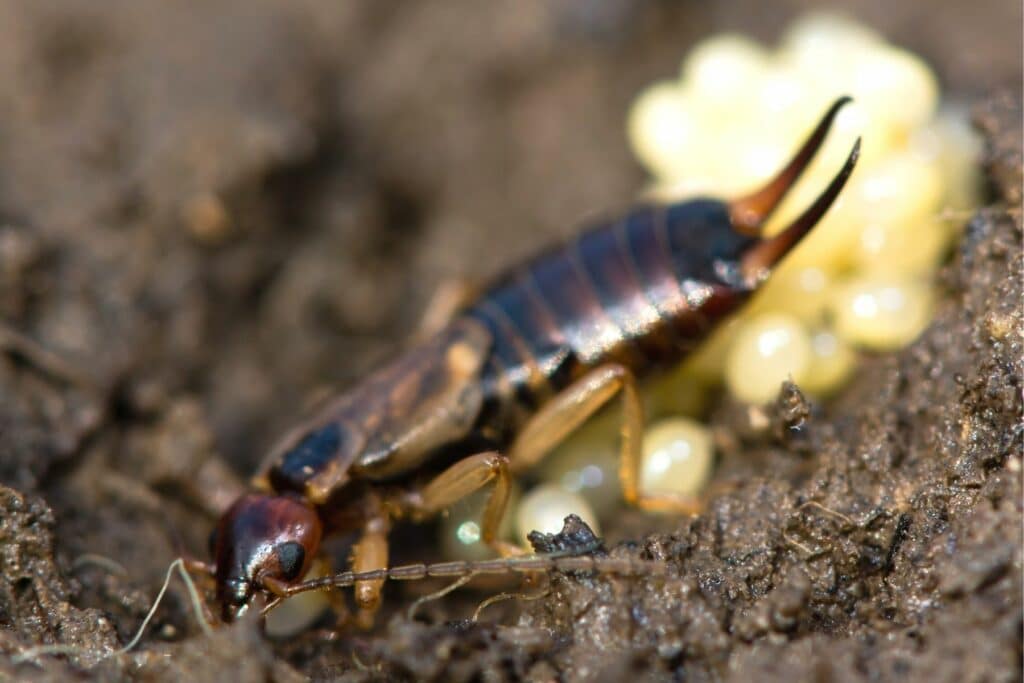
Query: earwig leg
(194, 566)
(567, 411)
(206, 571)
(371, 552)
(324, 567)
(462, 479)
(450, 297)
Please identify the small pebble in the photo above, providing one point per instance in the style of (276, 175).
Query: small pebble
(545, 508)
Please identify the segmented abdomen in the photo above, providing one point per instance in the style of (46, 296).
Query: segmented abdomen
(619, 292)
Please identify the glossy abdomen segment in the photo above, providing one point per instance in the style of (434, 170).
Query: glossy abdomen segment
(634, 292)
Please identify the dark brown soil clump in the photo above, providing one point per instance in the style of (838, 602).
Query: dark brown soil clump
(211, 214)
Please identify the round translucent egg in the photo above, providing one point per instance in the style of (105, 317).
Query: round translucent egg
(666, 133)
(832, 363)
(910, 247)
(747, 159)
(721, 70)
(461, 532)
(677, 458)
(829, 244)
(950, 144)
(768, 349)
(896, 85)
(587, 463)
(824, 45)
(299, 612)
(544, 509)
(881, 312)
(821, 34)
(801, 291)
(900, 187)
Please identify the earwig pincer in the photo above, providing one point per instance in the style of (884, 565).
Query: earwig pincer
(510, 375)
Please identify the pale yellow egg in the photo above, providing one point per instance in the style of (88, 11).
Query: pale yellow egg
(950, 144)
(881, 312)
(910, 247)
(896, 85)
(878, 136)
(832, 363)
(821, 34)
(545, 508)
(665, 132)
(823, 45)
(299, 612)
(587, 462)
(677, 458)
(721, 70)
(747, 159)
(828, 246)
(461, 532)
(801, 291)
(900, 187)
(768, 349)
(783, 96)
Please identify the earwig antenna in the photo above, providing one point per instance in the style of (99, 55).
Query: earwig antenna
(465, 570)
(31, 654)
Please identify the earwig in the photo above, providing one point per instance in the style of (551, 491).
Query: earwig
(511, 374)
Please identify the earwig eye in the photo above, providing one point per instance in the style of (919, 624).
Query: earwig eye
(290, 558)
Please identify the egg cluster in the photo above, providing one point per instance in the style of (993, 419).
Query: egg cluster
(862, 278)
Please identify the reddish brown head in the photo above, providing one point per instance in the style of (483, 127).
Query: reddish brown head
(261, 537)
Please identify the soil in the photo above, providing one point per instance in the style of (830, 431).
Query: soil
(212, 213)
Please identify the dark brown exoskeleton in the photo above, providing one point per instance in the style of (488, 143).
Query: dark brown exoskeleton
(518, 370)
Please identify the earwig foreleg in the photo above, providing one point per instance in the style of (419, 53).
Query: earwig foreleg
(368, 554)
(567, 411)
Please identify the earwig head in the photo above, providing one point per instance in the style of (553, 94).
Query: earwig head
(261, 537)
